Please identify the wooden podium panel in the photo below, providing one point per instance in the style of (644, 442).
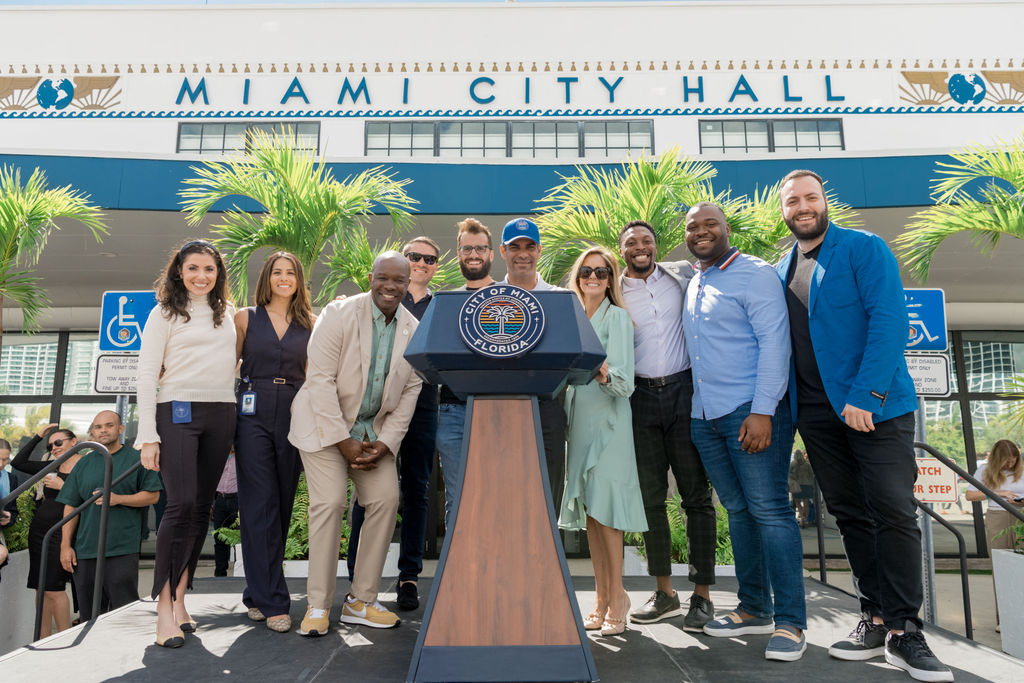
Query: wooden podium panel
(501, 607)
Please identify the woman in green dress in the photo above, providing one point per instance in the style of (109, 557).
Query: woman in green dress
(602, 492)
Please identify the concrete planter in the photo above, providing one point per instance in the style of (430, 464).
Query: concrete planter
(300, 568)
(17, 604)
(1008, 571)
(633, 564)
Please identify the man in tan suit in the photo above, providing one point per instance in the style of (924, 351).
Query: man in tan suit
(348, 420)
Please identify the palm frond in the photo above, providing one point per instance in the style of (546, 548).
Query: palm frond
(1004, 162)
(352, 260)
(448, 274)
(303, 209)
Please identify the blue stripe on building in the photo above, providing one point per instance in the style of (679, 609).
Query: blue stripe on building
(475, 188)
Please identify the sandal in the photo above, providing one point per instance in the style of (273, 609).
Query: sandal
(593, 621)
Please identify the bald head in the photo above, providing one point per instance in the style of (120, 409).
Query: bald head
(106, 428)
(389, 281)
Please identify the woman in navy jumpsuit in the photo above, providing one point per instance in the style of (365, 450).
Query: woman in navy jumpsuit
(271, 343)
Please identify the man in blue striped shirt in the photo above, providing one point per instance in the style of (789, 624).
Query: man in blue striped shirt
(737, 337)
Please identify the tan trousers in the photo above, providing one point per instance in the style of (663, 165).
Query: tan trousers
(327, 475)
(995, 521)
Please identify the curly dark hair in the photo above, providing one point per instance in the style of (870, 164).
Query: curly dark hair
(171, 293)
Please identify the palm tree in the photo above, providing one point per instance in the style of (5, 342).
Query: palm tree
(591, 207)
(28, 214)
(354, 261)
(981, 192)
(305, 210)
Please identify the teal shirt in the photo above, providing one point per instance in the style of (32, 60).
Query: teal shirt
(380, 362)
(124, 525)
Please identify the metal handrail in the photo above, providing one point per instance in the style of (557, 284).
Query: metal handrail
(964, 579)
(101, 546)
(966, 476)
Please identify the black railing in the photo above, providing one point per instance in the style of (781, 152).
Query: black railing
(101, 546)
(964, 577)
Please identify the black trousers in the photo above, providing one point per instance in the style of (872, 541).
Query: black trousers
(553, 422)
(661, 438)
(867, 480)
(120, 583)
(192, 457)
(268, 468)
(225, 512)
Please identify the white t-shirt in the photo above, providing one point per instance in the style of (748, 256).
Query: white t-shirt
(1008, 485)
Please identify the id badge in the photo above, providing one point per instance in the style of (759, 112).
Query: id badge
(181, 412)
(248, 404)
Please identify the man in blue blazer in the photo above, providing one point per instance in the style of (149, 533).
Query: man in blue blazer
(855, 401)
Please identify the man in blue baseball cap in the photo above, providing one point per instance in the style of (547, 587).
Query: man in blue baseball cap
(520, 247)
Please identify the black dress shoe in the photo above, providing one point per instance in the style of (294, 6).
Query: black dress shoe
(408, 597)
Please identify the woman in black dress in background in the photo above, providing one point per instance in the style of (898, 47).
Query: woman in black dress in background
(56, 607)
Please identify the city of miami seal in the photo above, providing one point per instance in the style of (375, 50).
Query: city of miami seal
(501, 321)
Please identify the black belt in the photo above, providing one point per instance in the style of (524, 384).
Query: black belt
(226, 495)
(274, 380)
(658, 382)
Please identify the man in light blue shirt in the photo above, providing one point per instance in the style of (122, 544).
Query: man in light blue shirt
(737, 337)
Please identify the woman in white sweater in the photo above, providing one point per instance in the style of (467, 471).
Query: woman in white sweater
(186, 408)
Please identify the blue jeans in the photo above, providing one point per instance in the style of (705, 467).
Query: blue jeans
(765, 536)
(451, 422)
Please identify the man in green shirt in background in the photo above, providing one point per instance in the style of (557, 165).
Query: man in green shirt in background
(124, 524)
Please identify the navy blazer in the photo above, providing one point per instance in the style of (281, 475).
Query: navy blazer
(859, 325)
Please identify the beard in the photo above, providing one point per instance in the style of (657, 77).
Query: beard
(478, 273)
(815, 231)
(641, 270)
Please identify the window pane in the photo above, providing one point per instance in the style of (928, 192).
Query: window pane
(377, 136)
(213, 137)
(544, 134)
(522, 152)
(992, 421)
(757, 134)
(189, 137)
(234, 136)
(618, 134)
(522, 135)
(20, 421)
(734, 134)
(989, 364)
(807, 134)
(80, 370)
(711, 135)
(472, 135)
(593, 135)
(944, 429)
(785, 134)
(568, 135)
(28, 364)
(830, 134)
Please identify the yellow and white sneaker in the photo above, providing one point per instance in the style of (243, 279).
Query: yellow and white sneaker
(317, 622)
(372, 614)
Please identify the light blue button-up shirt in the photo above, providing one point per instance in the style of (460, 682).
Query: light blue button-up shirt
(737, 336)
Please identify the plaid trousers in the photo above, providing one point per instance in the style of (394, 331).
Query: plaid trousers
(661, 436)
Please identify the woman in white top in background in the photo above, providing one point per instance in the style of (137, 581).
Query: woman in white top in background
(186, 407)
(1002, 472)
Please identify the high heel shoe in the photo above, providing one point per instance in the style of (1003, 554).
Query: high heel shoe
(189, 626)
(613, 625)
(173, 641)
(593, 621)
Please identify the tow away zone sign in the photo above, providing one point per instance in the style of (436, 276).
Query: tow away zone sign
(117, 374)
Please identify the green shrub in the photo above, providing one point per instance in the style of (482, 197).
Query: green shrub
(677, 529)
(16, 535)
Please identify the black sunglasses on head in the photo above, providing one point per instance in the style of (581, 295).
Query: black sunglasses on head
(56, 443)
(602, 272)
(415, 256)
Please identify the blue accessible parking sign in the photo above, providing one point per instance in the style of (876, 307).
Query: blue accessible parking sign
(123, 316)
(926, 309)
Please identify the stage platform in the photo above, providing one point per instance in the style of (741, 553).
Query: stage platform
(119, 646)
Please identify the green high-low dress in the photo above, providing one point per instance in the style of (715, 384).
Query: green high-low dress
(601, 479)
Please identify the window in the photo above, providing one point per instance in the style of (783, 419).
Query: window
(515, 139)
(225, 138)
(771, 135)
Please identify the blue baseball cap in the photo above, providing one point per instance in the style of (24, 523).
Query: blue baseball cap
(520, 227)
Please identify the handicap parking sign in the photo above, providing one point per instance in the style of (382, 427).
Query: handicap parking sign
(123, 316)
(926, 309)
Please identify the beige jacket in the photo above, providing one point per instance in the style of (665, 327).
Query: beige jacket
(326, 406)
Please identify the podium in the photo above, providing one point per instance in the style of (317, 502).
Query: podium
(501, 607)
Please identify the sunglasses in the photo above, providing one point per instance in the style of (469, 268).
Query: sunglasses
(467, 249)
(602, 272)
(415, 257)
(56, 443)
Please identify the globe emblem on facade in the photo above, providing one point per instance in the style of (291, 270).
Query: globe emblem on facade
(968, 89)
(501, 321)
(55, 95)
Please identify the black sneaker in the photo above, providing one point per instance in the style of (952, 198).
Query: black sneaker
(910, 652)
(659, 606)
(701, 612)
(867, 641)
(408, 598)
